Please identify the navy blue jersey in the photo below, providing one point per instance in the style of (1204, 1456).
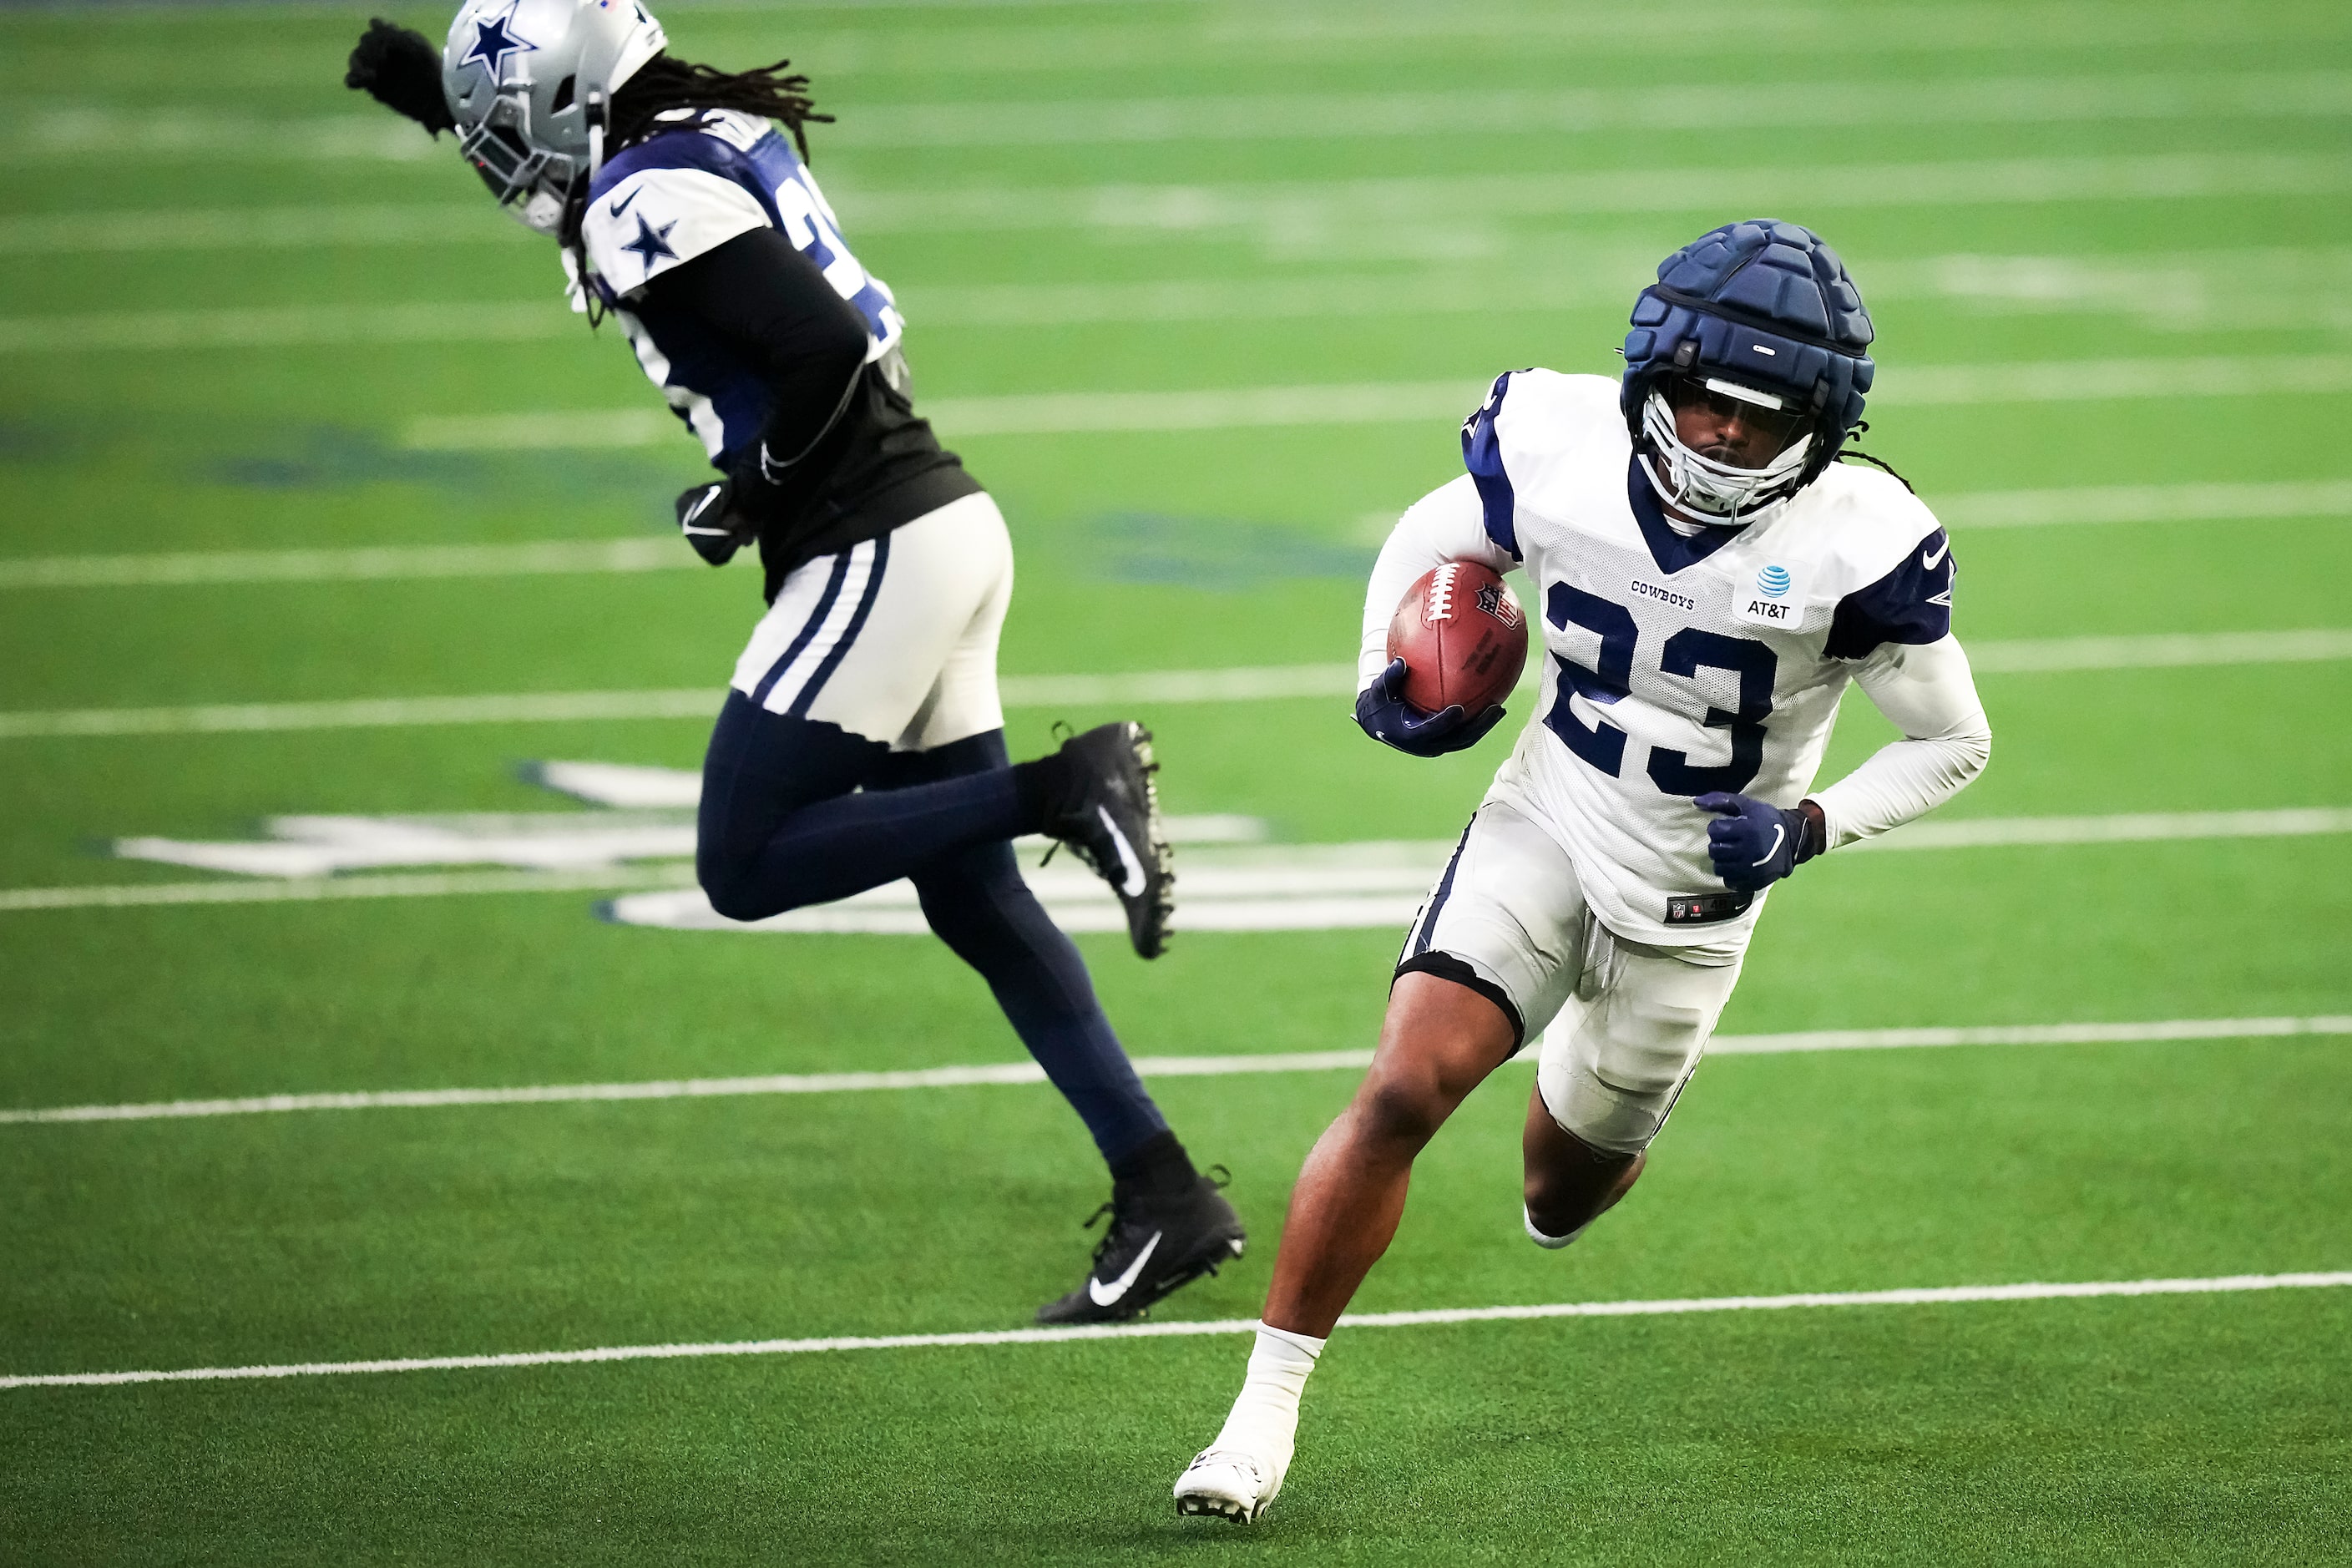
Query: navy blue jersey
(674, 196)
(725, 266)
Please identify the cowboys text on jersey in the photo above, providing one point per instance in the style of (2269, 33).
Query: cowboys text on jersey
(1680, 664)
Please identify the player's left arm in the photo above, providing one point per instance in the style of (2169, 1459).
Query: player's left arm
(697, 244)
(1926, 690)
(1898, 630)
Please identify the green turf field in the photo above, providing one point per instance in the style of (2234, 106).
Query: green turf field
(249, 315)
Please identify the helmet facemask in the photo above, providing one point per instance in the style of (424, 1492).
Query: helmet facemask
(1708, 488)
(531, 183)
(529, 85)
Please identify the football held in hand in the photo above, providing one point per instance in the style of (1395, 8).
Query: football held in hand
(1462, 636)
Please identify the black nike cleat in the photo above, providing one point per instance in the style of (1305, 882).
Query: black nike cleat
(1155, 1246)
(1109, 814)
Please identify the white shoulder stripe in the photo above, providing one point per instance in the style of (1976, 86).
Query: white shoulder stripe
(656, 218)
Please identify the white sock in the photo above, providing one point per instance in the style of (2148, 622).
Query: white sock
(1541, 1239)
(1265, 1418)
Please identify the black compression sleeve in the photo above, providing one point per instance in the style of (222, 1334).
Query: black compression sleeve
(773, 305)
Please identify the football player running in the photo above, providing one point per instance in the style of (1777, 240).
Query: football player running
(862, 740)
(1708, 578)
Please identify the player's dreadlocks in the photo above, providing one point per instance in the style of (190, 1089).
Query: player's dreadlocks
(1861, 427)
(401, 69)
(664, 84)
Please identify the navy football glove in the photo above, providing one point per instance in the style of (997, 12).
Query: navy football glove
(1388, 718)
(706, 516)
(1754, 845)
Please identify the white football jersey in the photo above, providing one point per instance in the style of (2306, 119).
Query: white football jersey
(1674, 665)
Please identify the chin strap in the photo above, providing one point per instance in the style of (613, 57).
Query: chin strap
(1697, 484)
(598, 109)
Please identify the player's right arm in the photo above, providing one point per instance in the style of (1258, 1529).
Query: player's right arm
(1447, 524)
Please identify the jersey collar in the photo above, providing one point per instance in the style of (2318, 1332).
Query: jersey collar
(1670, 549)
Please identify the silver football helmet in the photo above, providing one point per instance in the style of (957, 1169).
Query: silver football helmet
(531, 84)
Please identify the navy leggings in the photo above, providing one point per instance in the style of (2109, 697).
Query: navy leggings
(780, 827)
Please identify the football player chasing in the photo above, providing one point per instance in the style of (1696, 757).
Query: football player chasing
(1708, 578)
(862, 740)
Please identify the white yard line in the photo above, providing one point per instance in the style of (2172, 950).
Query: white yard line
(287, 326)
(2239, 288)
(2047, 655)
(969, 39)
(319, 889)
(247, 229)
(368, 713)
(363, 564)
(1094, 120)
(1416, 402)
(1380, 403)
(2234, 288)
(2125, 828)
(1023, 1072)
(1284, 215)
(2190, 503)
(1244, 684)
(2185, 503)
(1306, 887)
(1288, 210)
(1465, 112)
(324, 844)
(1378, 885)
(1930, 1296)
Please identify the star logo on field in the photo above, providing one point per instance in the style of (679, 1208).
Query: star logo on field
(494, 40)
(652, 244)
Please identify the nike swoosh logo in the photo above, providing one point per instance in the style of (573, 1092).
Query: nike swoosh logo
(618, 208)
(701, 506)
(1932, 561)
(1779, 832)
(1104, 1295)
(1132, 883)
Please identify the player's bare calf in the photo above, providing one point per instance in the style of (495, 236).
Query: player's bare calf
(1567, 1183)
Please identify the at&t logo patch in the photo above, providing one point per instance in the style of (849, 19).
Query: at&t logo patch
(1774, 598)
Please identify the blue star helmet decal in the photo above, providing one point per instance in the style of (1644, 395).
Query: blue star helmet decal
(494, 40)
(652, 244)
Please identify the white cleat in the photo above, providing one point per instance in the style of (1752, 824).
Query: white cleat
(1228, 1484)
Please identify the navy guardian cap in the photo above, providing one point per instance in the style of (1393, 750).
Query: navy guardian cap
(1761, 308)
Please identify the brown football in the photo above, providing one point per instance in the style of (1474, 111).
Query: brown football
(1462, 636)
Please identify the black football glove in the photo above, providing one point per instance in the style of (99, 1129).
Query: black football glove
(1388, 718)
(706, 516)
(1753, 843)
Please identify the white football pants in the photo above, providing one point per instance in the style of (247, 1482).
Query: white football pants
(1624, 1024)
(894, 639)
